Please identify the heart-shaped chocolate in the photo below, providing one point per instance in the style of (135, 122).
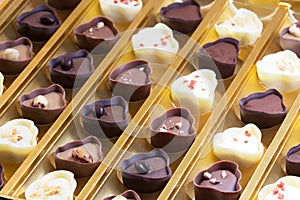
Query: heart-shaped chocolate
(220, 181)
(220, 56)
(71, 70)
(82, 157)
(173, 131)
(241, 145)
(132, 80)
(152, 180)
(17, 140)
(128, 194)
(292, 161)
(38, 24)
(183, 17)
(264, 109)
(106, 118)
(290, 38)
(43, 105)
(97, 36)
(15, 55)
(59, 184)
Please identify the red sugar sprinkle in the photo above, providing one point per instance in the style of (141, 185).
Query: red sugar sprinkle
(196, 76)
(275, 191)
(234, 139)
(115, 1)
(245, 141)
(141, 45)
(156, 45)
(126, 3)
(185, 81)
(163, 43)
(203, 89)
(280, 196)
(280, 185)
(192, 84)
(136, 4)
(247, 133)
(168, 36)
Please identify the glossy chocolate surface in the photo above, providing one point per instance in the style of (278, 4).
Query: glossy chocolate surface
(221, 181)
(292, 161)
(71, 70)
(55, 96)
(132, 80)
(220, 56)
(38, 24)
(82, 157)
(128, 194)
(98, 36)
(146, 172)
(106, 118)
(183, 17)
(173, 131)
(289, 42)
(264, 109)
(64, 5)
(24, 47)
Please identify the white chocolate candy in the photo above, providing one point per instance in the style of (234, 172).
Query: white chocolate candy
(280, 70)
(1, 83)
(17, 139)
(294, 30)
(155, 44)
(11, 54)
(240, 145)
(55, 185)
(195, 91)
(121, 10)
(245, 26)
(285, 188)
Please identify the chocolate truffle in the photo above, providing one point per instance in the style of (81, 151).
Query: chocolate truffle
(99, 35)
(128, 194)
(132, 80)
(290, 38)
(1, 176)
(106, 118)
(64, 5)
(72, 70)
(38, 24)
(220, 56)
(173, 131)
(265, 109)
(15, 55)
(183, 17)
(221, 181)
(146, 172)
(82, 157)
(43, 105)
(292, 161)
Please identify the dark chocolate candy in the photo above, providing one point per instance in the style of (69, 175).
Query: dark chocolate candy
(2, 182)
(97, 36)
(38, 24)
(55, 96)
(106, 118)
(220, 56)
(221, 181)
(64, 5)
(132, 80)
(154, 179)
(292, 161)
(71, 70)
(82, 157)
(128, 194)
(173, 131)
(289, 42)
(183, 17)
(264, 109)
(12, 67)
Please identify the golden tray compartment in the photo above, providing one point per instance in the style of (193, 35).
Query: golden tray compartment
(105, 179)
